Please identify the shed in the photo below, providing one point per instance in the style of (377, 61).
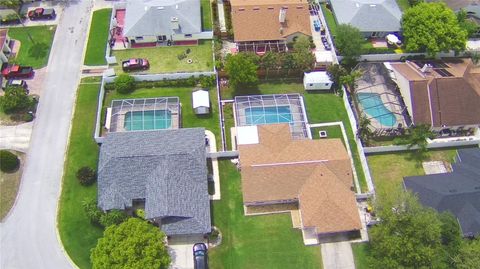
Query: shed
(201, 102)
(317, 81)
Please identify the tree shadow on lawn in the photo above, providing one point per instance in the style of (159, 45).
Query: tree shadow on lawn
(246, 90)
(38, 50)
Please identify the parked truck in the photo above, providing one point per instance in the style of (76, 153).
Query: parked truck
(17, 71)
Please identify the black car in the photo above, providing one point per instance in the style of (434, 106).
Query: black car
(200, 256)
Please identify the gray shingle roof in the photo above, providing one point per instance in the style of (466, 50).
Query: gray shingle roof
(368, 15)
(457, 192)
(167, 168)
(153, 17)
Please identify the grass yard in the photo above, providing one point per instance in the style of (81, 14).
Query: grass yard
(257, 241)
(189, 119)
(165, 59)
(77, 233)
(9, 183)
(98, 37)
(229, 123)
(403, 4)
(388, 170)
(34, 54)
(330, 18)
(206, 9)
(321, 107)
(360, 254)
(332, 132)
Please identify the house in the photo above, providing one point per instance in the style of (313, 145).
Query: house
(201, 102)
(457, 192)
(163, 22)
(5, 45)
(440, 93)
(310, 178)
(374, 18)
(269, 25)
(163, 172)
(317, 81)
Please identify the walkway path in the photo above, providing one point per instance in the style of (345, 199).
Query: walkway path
(337, 256)
(16, 137)
(221, 16)
(216, 173)
(29, 237)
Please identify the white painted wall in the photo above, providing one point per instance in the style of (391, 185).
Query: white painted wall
(404, 86)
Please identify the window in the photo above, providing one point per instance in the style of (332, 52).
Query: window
(188, 35)
(139, 38)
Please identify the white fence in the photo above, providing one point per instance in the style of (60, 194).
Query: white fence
(433, 145)
(165, 76)
(101, 95)
(394, 56)
(361, 153)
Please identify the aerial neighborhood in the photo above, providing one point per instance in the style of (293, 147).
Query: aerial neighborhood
(194, 134)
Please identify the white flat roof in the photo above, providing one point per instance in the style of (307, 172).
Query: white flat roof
(200, 99)
(247, 135)
(317, 77)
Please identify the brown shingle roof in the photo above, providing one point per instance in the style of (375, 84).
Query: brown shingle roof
(254, 20)
(316, 173)
(450, 101)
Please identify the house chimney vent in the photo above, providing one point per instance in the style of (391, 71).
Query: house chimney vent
(426, 68)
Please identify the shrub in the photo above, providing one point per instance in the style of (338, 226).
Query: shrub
(27, 117)
(114, 216)
(124, 84)
(91, 210)
(86, 175)
(140, 213)
(9, 162)
(15, 99)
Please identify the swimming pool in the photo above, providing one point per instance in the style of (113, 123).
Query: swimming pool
(373, 106)
(148, 120)
(266, 115)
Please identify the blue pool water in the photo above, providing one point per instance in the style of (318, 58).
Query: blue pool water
(148, 120)
(373, 105)
(266, 115)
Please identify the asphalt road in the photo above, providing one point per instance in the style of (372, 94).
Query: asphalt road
(29, 234)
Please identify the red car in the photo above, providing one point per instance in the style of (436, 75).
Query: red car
(17, 71)
(42, 13)
(135, 64)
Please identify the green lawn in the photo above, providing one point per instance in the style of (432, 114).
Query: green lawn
(165, 59)
(34, 54)
(77, 234)
(98, 37)
(189, 119)
(206, 8)
(332, 132)
(388, 170)
(321, 107)
(403, 4)
(360, 254)
(257, 241)
(330, 18)
(229, 123)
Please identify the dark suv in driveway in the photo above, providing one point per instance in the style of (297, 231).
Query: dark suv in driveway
(200, 256)
(41, 14)
(135, 64)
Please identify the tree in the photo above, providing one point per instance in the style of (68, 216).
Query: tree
(241, 70)
(348, 42)
(9, 162)
(466, 24)
(335, 72)
(432, 27)
(408, 235)
(124, 84)
(364, 131)
(418, 136)
(302, 54)
(288, 62)
(15, 99)
(268, 61)
(414, 2)
(451, 237)
(468, 256)
(349, 80)
(132, 244)
(86, 176)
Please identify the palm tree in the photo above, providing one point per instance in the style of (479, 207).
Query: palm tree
(349, 81)
(364, 132)
(418, 137)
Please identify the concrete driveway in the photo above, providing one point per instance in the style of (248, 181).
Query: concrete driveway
(16, 137)
(337, 255)
(180, 249)
(29, 237)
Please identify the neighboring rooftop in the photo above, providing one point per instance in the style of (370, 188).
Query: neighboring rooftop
(166, 169)
(3, 36)
(457, 192)
(254, 20)
(154, 17)
(368, 15)
(445, 93)
(315, 173)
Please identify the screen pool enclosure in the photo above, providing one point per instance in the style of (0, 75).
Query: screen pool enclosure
(143, 114)
(272, 109)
